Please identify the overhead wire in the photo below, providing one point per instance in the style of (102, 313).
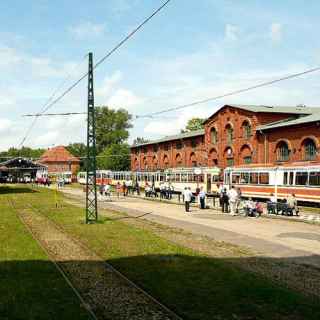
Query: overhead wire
(197, 102)
(100, 61)
(45, 106)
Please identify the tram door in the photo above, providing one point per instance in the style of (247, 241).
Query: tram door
(208, 182)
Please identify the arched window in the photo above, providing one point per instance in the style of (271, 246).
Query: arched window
(246, 126)
(310, 149)
(145, 163)
(166, 161)
(229, 131)
(214, 135)
(155, 162)
(193, 160)
(283, 151)
(178, 160)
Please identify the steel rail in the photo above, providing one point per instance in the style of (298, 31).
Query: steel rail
(60, 270)
(108, 265)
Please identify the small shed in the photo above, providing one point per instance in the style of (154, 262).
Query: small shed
(20, 170)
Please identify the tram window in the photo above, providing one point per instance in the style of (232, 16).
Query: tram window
(235, 178)
(291, 178)
(254, 178)
(314, 179)
(184, 177)
(285, 178)
(177, 177)
(301, 178)
(244, 177)
(215, 178)
(263, 178)
(201, 178)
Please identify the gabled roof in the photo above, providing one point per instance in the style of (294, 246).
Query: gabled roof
(291, 122)
(278, 109)
(173, 137)
(58, 154)
(21, 163)
(297, 110)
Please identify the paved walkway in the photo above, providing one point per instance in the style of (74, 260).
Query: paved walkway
(271, 237)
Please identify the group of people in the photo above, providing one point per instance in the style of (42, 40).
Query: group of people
(231, 202)
(229, 199)
(189, 197)
(288, 206)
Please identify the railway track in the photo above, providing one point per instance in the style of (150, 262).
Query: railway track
(104, 291)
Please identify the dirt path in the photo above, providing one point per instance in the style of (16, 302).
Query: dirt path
(108, 294)
(270, 237)
(301, 275)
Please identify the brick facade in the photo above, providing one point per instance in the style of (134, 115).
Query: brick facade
(59, 159)
(231, 137)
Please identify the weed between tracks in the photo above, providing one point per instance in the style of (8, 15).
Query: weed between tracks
(195, 285)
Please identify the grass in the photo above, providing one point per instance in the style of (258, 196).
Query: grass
(192, 284)
(30, 285)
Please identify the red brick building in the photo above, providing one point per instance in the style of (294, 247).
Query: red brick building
(235, 135)
(59, 159)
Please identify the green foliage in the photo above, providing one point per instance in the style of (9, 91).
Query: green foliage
(78, 149)
(140, 140)
(25, 152)
(115, 157)
(111, 127)
(193, 125)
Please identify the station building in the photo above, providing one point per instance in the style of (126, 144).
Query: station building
(238, 135)
(59, 160)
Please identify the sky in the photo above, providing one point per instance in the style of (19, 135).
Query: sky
(190, 51)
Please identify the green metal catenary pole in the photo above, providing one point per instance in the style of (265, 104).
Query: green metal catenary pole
(91, 165)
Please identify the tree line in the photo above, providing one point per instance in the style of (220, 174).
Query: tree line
(112, 133)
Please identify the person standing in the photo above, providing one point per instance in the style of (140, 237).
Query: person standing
(187, 194)
(224, 200)
(124, 188)
(202, 198)
(137, 187)
(118, 189)
(233, 198)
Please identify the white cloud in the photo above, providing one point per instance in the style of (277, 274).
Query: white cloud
(231, 32)
(5, 124)
(9, 57)
(47, 139)
(276, 32)
(108, 84)
(123, 98)
(87, 29)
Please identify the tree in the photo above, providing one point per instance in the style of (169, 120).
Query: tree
(140, 140)
(25, 152)
(111, 127)
(78, 149)
(193, 125)
(115, 157)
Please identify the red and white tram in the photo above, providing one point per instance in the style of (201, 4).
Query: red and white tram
(103, 177)
(261, 181)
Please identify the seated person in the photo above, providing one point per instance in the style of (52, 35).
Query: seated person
(272, 204)
(250, 207)
(259, 208)
(292, 204)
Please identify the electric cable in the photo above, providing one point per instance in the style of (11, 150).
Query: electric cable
(45, 106)
(197, 102)
(121, 43)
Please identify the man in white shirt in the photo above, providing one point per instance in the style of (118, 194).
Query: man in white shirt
(233, 198)
(202, 197)
(187, 194)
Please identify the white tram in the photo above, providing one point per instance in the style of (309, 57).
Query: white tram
(261, 181)
(178, 177)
